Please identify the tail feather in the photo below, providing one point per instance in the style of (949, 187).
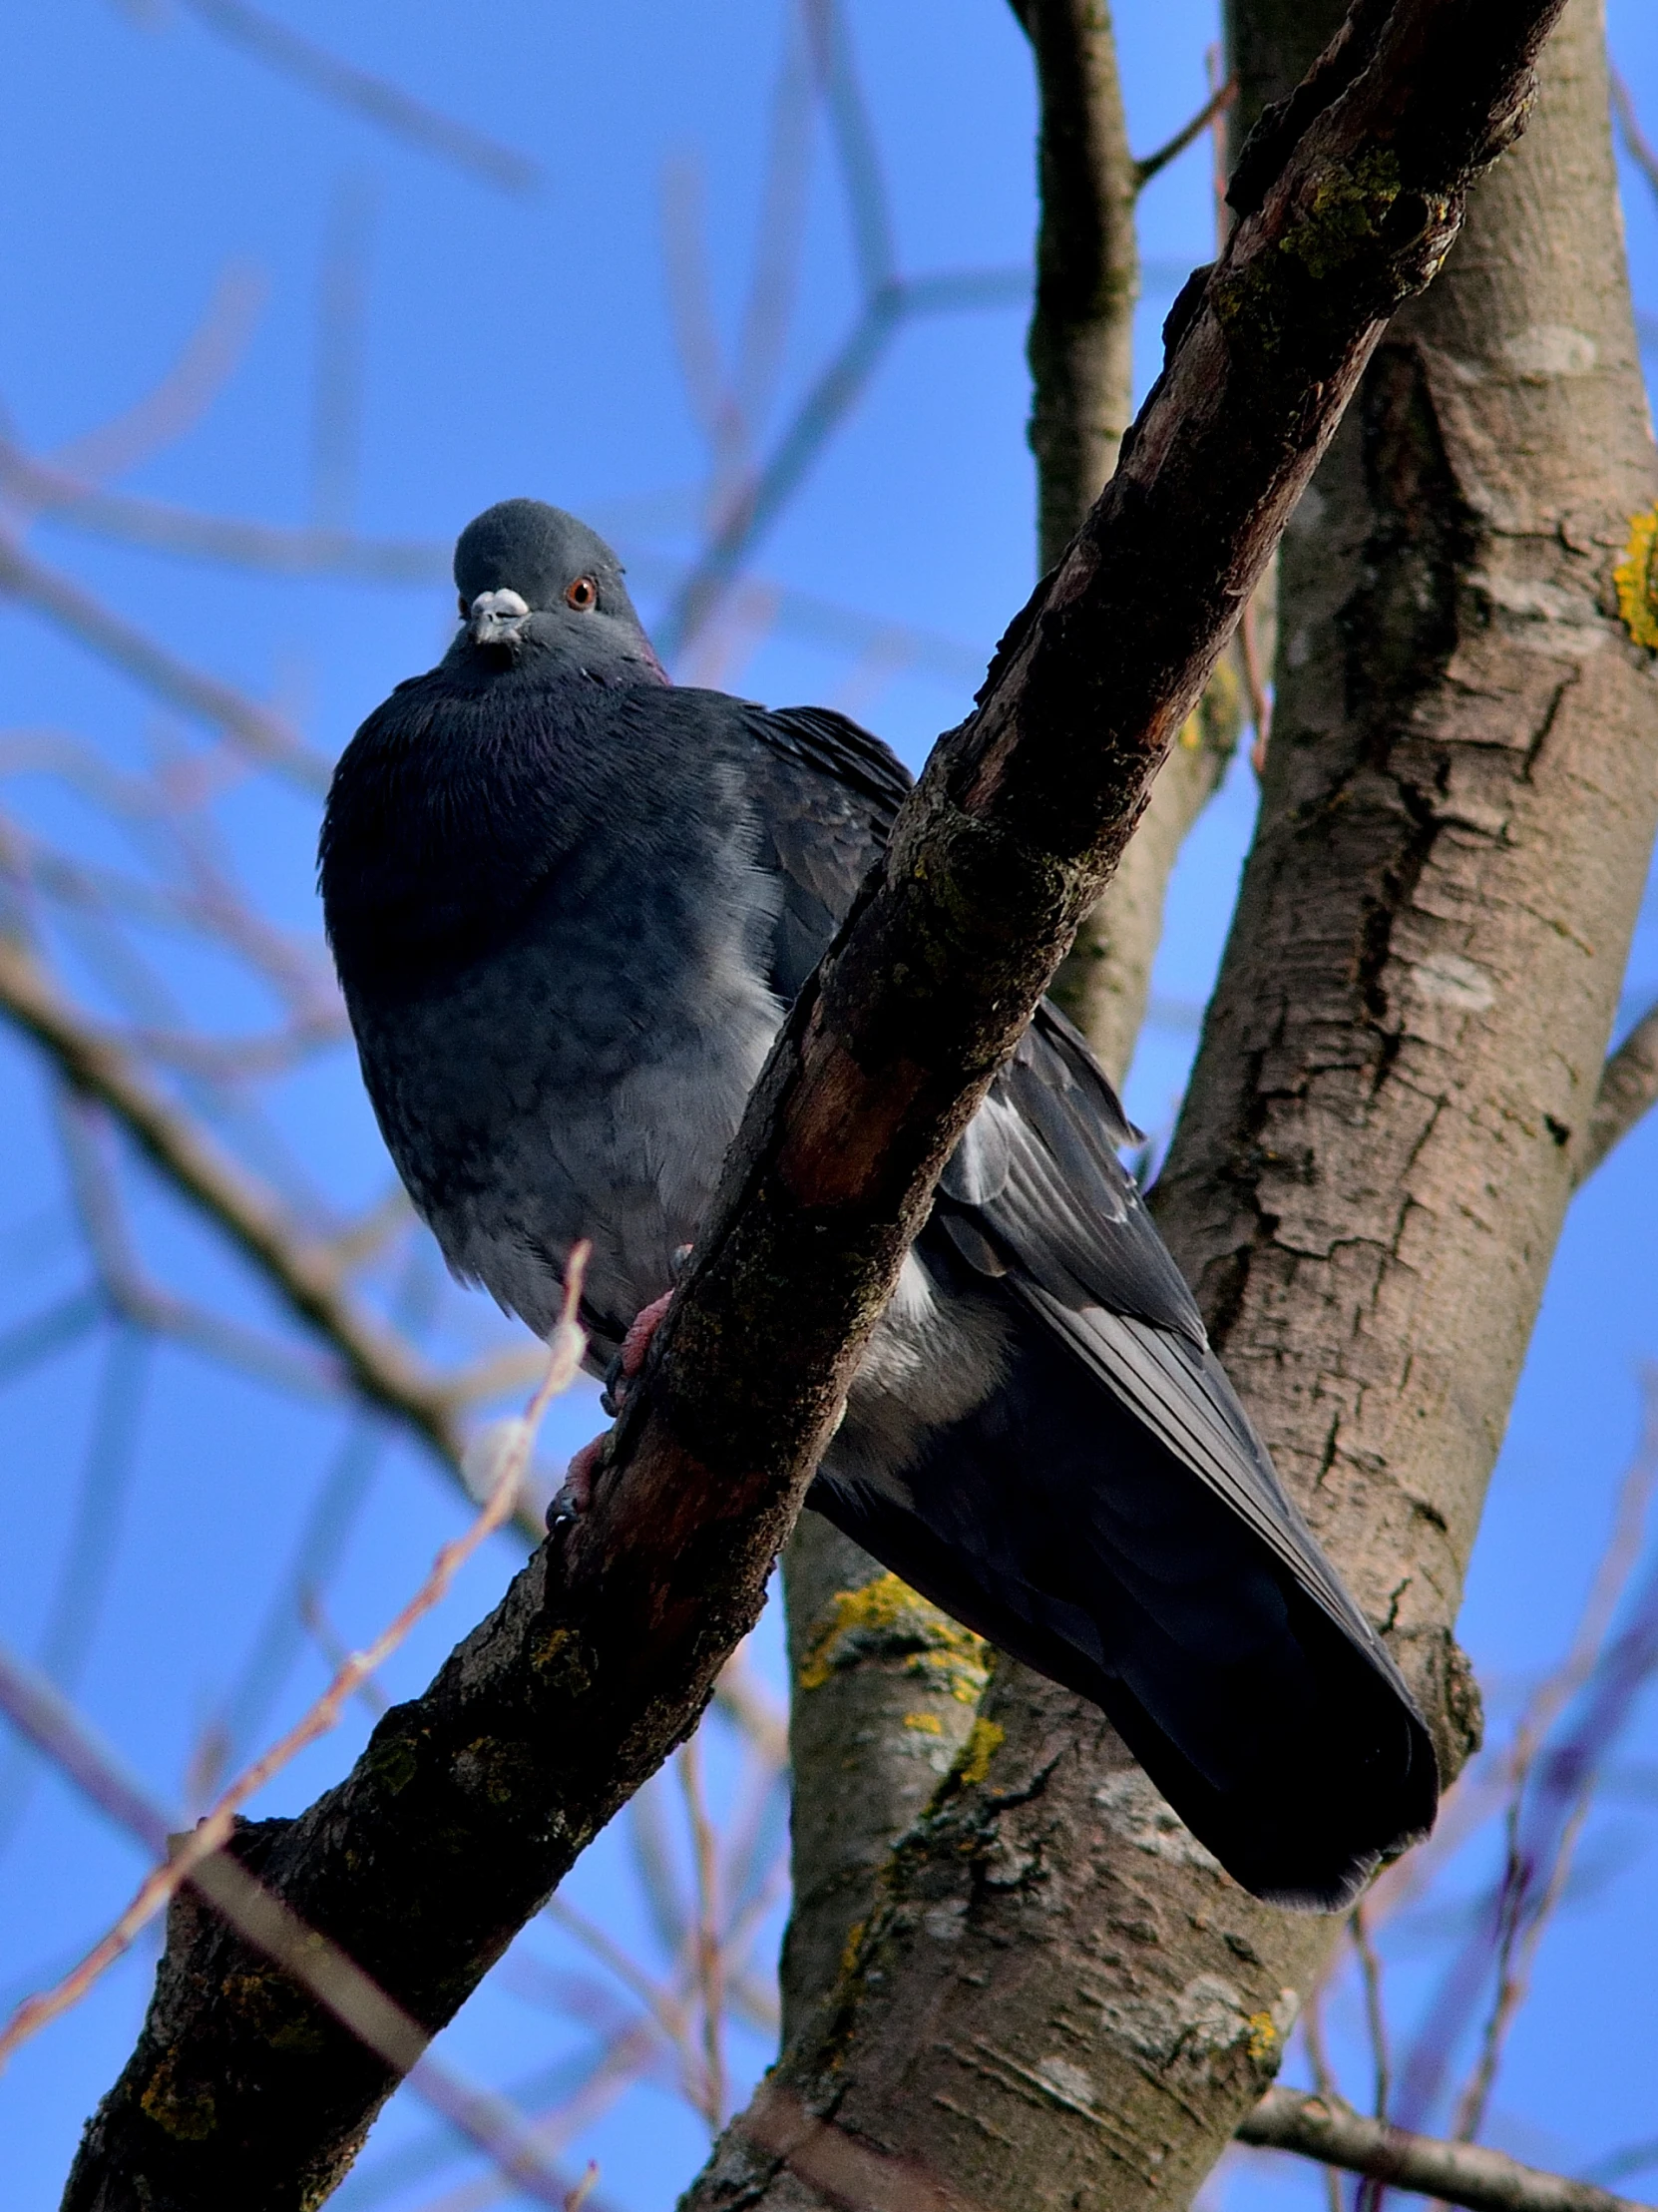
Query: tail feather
(1054, 1522)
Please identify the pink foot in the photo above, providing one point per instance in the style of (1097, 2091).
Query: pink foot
(574, 1493)
(636, 1343)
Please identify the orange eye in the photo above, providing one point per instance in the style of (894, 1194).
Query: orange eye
(583, 595)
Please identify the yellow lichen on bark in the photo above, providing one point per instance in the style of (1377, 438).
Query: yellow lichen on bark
(945, 1655)
(1636, 577)
(982, 1747)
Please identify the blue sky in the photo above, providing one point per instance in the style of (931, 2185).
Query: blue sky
(524, 343)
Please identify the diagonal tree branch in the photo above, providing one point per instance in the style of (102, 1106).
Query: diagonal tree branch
(46, 1719)
(470, 1803)
(1456, 2173)
(1628, 1089)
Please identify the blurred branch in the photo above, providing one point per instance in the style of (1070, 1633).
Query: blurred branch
(83, 1575)
(500, 1479)
(1641, 150)
(307, 1275)
(853, 137)
(1553, 1785)
(1081, 351)
(205, 364)
(271, 549)
(337, 389)
(706, 1952)
(768, 310)
(47, 1721)
(836, 390)
(370, 97)
(267, 548)
(1324, 2082)
(1376, 2018)
(1629, 1088)
(259, 733)
(1486, 1786)
(1456, 2173)
(1629, 2158)
(747, 496)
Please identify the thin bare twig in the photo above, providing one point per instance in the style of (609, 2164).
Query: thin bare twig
(1324, 2082)
(263, 737)
(371, 97)
(47, 1720)
(336, 1651)
(830, 398)
(705, 1934)
(1456, 2173)
(1217, 104)
(746, 496)
(1523, 1917)
(307, 1275)
(1629, 1088)
(133, 1297)
(342, 323)
(663, 2005)
(1532, 1886)
(1545, 1816)
(1641, 150)
(273, 548)
(1376, 2018)
(511, 1445)
(205, 363)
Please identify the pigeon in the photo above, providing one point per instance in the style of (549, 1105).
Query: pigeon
(570, 903)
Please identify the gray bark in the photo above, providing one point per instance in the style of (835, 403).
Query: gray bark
(1104, 981)
(1059, 2001)
(883, 1690)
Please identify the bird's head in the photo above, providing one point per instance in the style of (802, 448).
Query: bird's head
(530, 575)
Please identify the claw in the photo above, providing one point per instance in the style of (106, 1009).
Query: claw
(574, 1495)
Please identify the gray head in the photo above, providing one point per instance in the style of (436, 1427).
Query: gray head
(530, 572)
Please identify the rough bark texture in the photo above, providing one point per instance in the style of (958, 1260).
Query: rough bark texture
(1104, 981)
(1081, 354)
(1061, 2002)
(883, 1692)
(1081, 342)
(471, 1802)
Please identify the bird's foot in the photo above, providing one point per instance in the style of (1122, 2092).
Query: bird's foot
(636, 1343)
(574, 1495)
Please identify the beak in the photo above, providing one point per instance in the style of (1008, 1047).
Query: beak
(497, 618)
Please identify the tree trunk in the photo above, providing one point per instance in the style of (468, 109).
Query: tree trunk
(1060, 2001)
(1081, 355)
